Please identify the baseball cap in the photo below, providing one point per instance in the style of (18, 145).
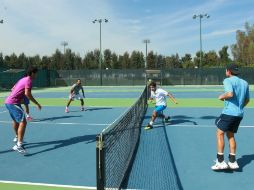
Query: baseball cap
(233, 68)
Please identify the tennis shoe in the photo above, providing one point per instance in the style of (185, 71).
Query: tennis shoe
(66, 110)
(20, 149)
(166, 119)
(29, 118)
(15, 139)
(82, 109)
(219, 165)
(148, 127)
(233, 165)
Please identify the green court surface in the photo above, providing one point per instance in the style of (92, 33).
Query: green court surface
(126, 102)
(10, 186)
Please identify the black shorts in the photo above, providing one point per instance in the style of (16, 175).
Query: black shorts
(228, 123)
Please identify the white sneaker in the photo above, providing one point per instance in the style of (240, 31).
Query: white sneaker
(219, 165)
(66, 110)
(15, 139)
(233, 166)
(20, 149)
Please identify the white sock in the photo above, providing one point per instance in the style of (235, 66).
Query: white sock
(151, 123)
(19, 143)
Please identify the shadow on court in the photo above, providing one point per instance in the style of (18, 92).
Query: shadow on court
(209, 117)
(59, 143)
(245, 160)
(94, 109)
(56, 118)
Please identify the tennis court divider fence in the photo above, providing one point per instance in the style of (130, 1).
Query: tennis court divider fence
(116, 146)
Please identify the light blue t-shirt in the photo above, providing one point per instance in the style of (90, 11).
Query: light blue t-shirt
(240, 88)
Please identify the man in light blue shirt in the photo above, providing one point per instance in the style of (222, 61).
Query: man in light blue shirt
(235, 98)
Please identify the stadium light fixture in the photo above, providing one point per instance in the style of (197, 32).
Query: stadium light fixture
(64, 43)
(100, 59)
(146, 41)
(200, 16)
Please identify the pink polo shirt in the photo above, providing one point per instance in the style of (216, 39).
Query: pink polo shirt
(18, 91)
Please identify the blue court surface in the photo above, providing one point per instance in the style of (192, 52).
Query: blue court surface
(61, 147)
(180, 154)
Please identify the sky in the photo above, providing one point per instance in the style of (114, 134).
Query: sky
(39, 26)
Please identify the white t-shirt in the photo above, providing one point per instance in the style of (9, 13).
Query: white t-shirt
(160, 96)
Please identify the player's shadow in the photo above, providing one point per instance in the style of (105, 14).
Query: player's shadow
(181, 117)
(209, 117)
(56, 118)
(59, 143)
(94, 109)
(181, 121)
(244, 160)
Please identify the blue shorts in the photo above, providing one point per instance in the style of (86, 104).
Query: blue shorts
(16, 112)
(26, 100)
(228, 123)
(159, 109)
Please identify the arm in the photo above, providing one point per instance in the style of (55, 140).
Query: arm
(83, 91)
(246, 102)
(30, 97)
(172, 98)
(226, 96)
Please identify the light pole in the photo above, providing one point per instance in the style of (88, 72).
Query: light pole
(146, 41)
(100, 58)
(64, 43)
(200, 16)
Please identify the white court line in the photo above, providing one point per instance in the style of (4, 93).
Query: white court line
(3, 111)
(46, 184)
(199, 126)
(51, 123)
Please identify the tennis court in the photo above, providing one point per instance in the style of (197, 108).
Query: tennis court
(177, 156)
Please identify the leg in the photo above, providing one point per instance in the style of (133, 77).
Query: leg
(82, 104)
(21, 131)
(69, 102)
(220, 163)
(232, 148)
(15, 127)
(154, 116)
(220, 141)
(232, 143)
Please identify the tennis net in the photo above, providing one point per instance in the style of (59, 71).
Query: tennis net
(117, 144)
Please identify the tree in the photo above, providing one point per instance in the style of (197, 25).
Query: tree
(115, 61)
(125, 61)
(210, 59)
(137, 60)
(243, 50)
(151, 60)
(107, 59)
(186, 61)
(56, 61)
(224, 56)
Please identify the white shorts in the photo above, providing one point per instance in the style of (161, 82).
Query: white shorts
(75, 96)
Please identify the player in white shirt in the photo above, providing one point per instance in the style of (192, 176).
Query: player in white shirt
(160, 97)
(74, 94)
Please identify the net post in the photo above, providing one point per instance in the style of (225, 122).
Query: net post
(100, 168)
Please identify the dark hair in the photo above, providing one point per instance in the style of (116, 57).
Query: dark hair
(31, 70)
(152, 84)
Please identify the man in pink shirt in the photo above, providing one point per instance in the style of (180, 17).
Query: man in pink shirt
(13, 104)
